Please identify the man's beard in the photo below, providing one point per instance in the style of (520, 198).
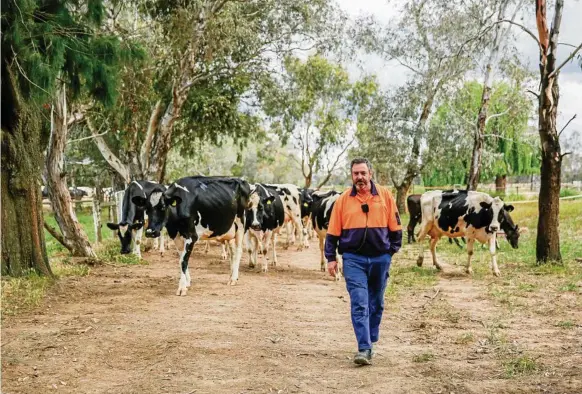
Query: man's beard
(361, 184)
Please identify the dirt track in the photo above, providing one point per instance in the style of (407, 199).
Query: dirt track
(122, 330)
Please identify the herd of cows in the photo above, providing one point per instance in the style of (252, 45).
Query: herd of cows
(237, 214)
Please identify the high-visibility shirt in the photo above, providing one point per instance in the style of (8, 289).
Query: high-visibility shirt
(375, 233)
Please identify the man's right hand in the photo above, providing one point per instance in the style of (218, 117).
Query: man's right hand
(332, 268)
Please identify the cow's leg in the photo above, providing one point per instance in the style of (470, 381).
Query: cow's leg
(323, 263)
(290, 235)
(433, 242)
(470, 245)
(300, 231)
(162, 243)
(493, 252)
(235, 260)
(273, 243)
(265, 248)
(137, 242)
(206, 246)
(253, 250)
(184, 272)
(421, 235)
(458, 243)
(224, 254)
(340, 268)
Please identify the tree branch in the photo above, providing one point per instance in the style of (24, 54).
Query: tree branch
(565, 154)
(532, 92)
(88, 138)
(563, 128)
(525, 29)
(56, 235)
(330, 169)
(146, 146)
(565, 61)
(108, 155)
(497, 115)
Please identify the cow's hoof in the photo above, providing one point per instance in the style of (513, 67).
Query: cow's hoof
(469, 271)
(265, 269)
(419, 261)
(251, 265)
(438, 267)
(496, 273)
(181, 292)
(232, 282)
(322, 268)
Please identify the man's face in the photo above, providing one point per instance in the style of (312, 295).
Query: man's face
(361, 176)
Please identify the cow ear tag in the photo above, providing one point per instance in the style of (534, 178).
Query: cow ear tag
(305, 204)
(174, 203)
(269, 202)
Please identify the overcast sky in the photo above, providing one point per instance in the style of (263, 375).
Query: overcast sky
(570, 80)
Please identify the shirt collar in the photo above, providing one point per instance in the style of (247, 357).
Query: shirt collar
(374, 190)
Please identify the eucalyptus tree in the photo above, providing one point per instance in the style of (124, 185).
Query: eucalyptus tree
(316, 106)
(437, 42)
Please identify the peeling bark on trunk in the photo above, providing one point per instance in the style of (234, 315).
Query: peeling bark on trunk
(500, 183)
(55, 175)
(108, 155)
(23, 243)
(548, 236)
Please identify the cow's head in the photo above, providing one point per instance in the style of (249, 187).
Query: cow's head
(125, 234)
(511, 230)
(493, 211)
(306, 202)
(156, 207)
(260, 205)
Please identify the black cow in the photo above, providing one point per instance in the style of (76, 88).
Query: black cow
(206, 208)
(474, 215)
(132, 216)
(77, 193)
(265, 217)
(321, 209)
(415, 213)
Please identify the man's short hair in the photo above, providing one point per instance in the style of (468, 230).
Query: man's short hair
(360, 160)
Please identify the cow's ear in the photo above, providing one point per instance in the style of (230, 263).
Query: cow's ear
(136, 226)
(113, 226)
(485, 205)
(508, 208)
(139, 201)
(173, 201)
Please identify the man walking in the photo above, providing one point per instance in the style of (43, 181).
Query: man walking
(366, 223)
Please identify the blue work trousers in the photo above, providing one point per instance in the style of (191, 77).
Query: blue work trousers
(366, 280)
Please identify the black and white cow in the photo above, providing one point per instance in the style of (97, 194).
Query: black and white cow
(306, 201)
(292, 203)
(206, 208)
(415, 214)
(460, 213)
(323, 203)
(264, 219)
(133, 218)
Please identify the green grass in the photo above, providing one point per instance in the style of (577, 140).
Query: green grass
(409, 277)
(109, 251)
(522, 365)
(23, 293)
(423, 358)
(85, 217)
(566, 324)
(568, 192)
(465, 338)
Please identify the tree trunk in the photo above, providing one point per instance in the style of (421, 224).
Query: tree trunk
(23, 243)
(401, 193)
(548, 236)
(498, 38)
(58, 192)
(308, 180)
(501, 183)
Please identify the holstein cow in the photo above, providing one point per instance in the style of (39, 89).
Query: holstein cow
(133, 217)
(306, 200)
(264, 219)
(474, 215)
(415, 213)
(292, 204)
(206, 208)
(320, 214)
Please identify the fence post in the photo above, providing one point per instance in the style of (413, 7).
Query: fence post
(119, 203)
(97, 219)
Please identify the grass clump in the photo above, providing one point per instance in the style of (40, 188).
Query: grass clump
(522, 365)
(566, 324)
(423, 358)
(109, 251)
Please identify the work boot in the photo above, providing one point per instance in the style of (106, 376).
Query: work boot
(363, 357)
